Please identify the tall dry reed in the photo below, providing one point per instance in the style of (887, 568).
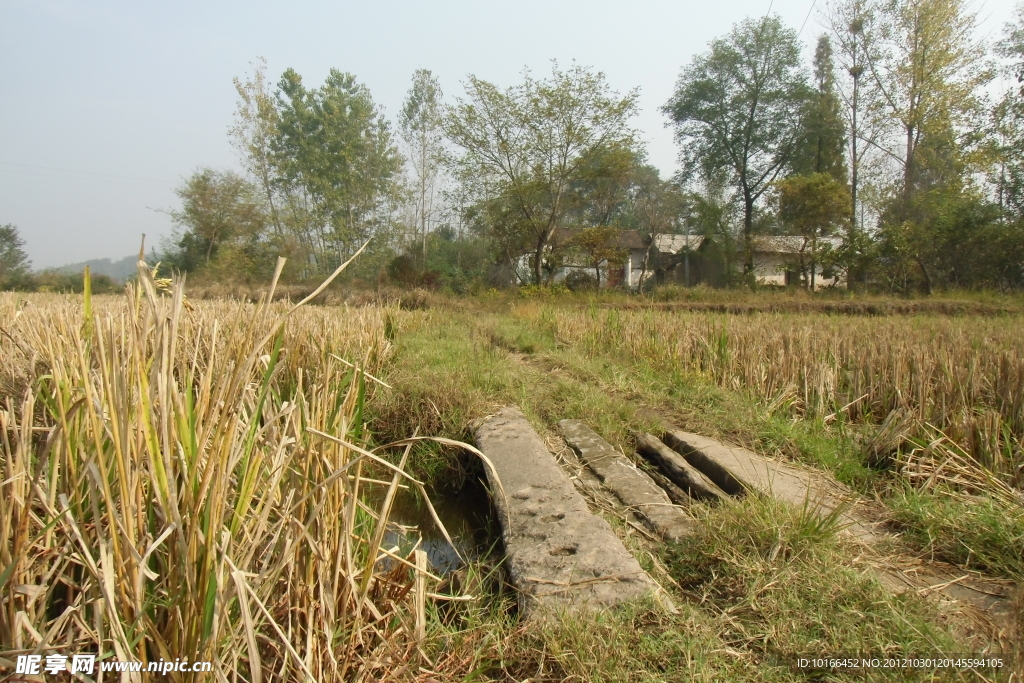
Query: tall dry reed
(184, 481)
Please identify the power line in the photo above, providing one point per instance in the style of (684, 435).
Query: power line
(92, 173)
(813, 2)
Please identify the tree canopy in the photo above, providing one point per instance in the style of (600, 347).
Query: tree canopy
(738, 106)
(530, 143)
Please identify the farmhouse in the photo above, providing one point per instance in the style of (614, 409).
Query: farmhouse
(780, 260)
(687, 260)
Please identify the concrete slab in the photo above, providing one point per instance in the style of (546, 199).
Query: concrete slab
(731, 466)
(675, 467)
(559, 554)
(735, 469)
(633, 487)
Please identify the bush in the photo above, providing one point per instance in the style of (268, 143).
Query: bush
(581, 281)
(55, 281)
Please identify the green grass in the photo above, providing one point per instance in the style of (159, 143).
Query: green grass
(978, 533)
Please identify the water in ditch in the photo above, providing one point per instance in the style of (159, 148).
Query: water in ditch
(466, 515)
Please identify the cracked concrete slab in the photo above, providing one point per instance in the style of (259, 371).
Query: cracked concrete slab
(675, 467)
(633, 487)
(732, 466)
(736, 469)
(559, 554)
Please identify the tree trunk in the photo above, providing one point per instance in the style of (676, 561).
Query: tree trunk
(748, 235)
(924, 273)
(537, 257)
(814, 259)
(643, 268)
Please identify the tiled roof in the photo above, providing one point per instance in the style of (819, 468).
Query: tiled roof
(673, 244)
(791, 244)
(624, 239)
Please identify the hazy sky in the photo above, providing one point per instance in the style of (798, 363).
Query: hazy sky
(105, 106)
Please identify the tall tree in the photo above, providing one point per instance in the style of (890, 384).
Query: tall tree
(253, 131)
(812, 206)
(14, 262)
(823, 146)
(218, 208)
(420, 126)
(738, 106)
(1008, 117)
(335, 150)
(929, 79)
(599, 193)
(854, 30)
(530, 143)
(597, 245)
(653, 206)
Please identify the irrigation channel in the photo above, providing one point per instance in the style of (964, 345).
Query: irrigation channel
(466, 514)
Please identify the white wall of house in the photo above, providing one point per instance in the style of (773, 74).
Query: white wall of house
(770, 269)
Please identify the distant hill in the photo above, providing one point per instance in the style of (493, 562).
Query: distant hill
(118, 270)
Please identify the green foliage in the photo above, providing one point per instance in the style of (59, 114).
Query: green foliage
(222, 224)
(1008, 118)
(458, 265)
(14, 262)
(929, 76)
(334, 155)
(958, 240)
(526, 146)
(597, 247)
(812, 206)
(737, 107)
(420, 125)
(822, 148)
(58, 281)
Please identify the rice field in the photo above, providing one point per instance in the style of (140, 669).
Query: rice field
(912, 379)
(185, 480)
(196, 478)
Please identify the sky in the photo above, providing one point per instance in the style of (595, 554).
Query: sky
(107, 105)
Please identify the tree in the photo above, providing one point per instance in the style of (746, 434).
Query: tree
(597, 244)
(651, 206)
(812, 206)
(1008, 117)
(598, 197)
(929, 79)
(822, 148)
(253, 133)
(420, 125)
(739, 106)
(336, 157)
(218, 209)
(854, 29)
(529, 144)
(14, 262)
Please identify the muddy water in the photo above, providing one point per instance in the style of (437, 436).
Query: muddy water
(466, 515)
